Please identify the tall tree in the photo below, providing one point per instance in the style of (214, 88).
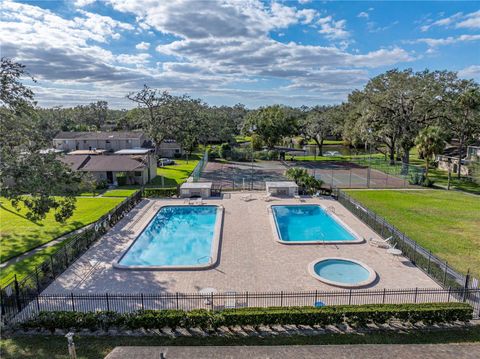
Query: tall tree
(464, 116)
(317, 125)
(271, 123)
(406, 102)
(28, 177)
(158, 123)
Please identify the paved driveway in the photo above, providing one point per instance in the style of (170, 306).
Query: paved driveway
(370, 351)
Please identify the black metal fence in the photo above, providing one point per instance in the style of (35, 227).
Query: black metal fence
(218, 301)
(436, 268)
(18, 293)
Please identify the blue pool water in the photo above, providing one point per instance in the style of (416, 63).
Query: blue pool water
(341, 271)
(305, 223)
(176, 236)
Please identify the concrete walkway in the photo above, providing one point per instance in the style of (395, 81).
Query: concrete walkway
(370, 351)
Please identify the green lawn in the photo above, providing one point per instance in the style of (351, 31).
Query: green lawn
(18, 234)
(174, 174)
(23, 267)
(445, 222)
(91, 347)
(119, 192)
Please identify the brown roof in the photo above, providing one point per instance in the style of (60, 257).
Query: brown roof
(114, 163)
(74, 161)
(99, 135)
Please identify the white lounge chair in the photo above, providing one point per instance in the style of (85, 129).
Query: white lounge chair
(198, 201)
(380, 243)
(296, 196)
(267, 197)
(247, 197)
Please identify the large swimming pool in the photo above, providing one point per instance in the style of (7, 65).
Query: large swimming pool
(177, 237)
(295, 224)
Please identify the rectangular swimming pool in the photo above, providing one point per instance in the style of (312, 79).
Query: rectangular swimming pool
(297, 224)
(178, 237)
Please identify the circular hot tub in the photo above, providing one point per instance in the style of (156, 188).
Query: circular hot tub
(342, 272)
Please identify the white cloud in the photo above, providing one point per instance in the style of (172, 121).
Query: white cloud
(333, 29)
(133, 59)
(216, 45)
(82, 3)
(457, 20)
(471, 21)
(364, 15)
(142, 46)
(435, 42)
(470, 72)
(304, 1)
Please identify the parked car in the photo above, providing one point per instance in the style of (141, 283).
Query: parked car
(165, 162)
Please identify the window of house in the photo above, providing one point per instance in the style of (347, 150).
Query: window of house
(177, 151)
(107, 141)
(138, 174)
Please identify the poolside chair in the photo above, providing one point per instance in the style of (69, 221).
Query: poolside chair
(267, 197)
(296, 196)
(247, 197)
(380, 243)
(331, 209)
(199, 201)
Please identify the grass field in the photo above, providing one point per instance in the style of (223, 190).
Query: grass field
(24, 266)
(445, 222)
(18, 234)
(55, 347)
(174, 174)
(119, 192)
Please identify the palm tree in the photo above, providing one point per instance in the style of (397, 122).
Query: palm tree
(430, 142)
(297, 175)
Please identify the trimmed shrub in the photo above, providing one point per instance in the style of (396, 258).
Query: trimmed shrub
(354, 315)
(160, 192)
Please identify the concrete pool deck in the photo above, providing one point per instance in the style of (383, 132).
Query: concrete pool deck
(249, 260)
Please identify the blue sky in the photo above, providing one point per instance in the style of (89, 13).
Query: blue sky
(230, 51)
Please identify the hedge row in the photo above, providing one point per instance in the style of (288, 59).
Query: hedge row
(359, 315)
(160, 192)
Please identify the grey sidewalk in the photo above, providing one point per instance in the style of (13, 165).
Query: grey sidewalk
(370, 351)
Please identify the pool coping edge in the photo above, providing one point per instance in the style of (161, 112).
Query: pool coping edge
(215, 248)
(277, 237)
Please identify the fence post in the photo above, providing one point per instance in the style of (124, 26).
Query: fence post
(383, 298)
(429, 258)
(465, 287)
(17, 294)
(445, 273)
(176, 295)
(38, 304)
(73, 302)
(51, 262)
(108, 303)
(416, 292)
(281, 298)
(211, 301)
(414, 250)
(246, 299)
(143, 306)
(66, 256)
(350, 297)
(37, 280)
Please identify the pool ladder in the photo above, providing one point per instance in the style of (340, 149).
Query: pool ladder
(210, 259)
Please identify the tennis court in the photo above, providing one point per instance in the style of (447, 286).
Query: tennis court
(353, 175)
(339, 174)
